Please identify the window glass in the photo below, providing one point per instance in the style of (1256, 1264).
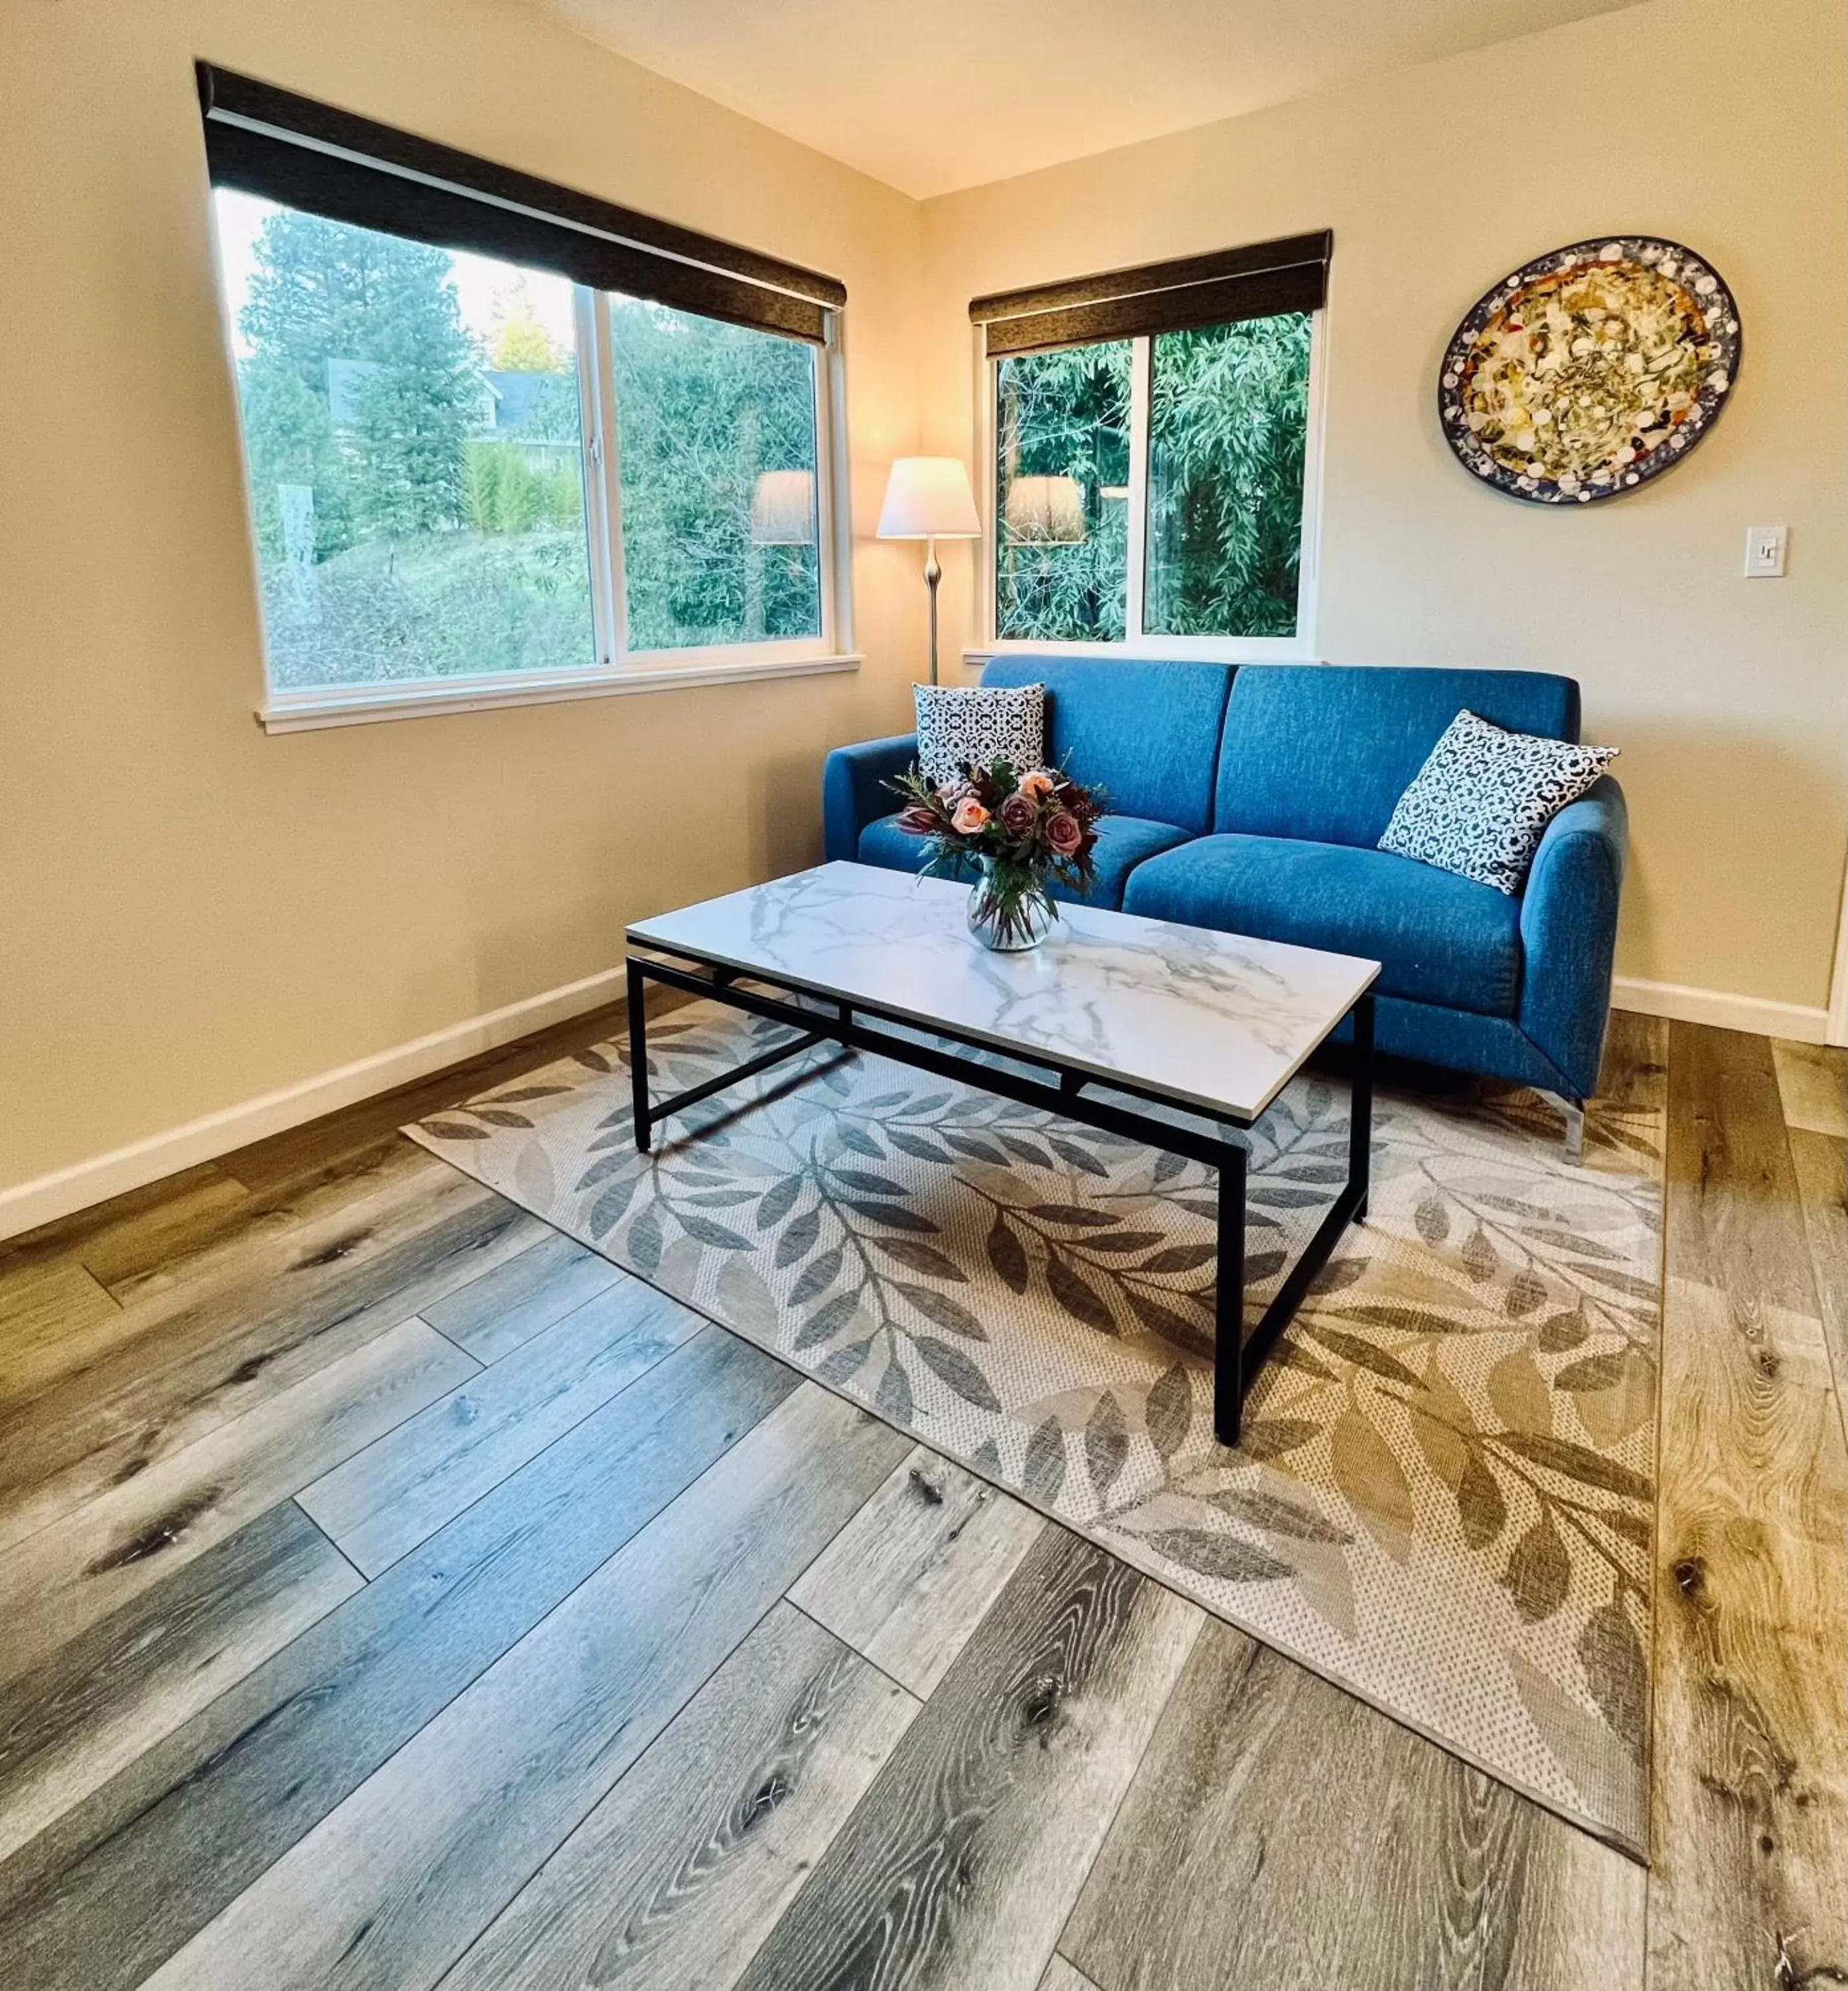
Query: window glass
(1228, 416)
(414, 447)
(1062, 489)
(716, 431)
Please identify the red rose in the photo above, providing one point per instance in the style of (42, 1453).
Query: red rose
(1063, 834)
(1017, 814)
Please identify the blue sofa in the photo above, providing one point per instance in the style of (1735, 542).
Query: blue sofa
(1252, 799)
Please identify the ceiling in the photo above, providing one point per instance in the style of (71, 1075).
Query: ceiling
(930, 98)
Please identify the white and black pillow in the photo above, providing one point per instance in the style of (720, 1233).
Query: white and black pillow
(979, 723)
(1480, 803)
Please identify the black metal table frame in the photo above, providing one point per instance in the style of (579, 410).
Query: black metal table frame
(1237, 1355)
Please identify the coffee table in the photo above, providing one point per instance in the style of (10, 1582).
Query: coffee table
(1131, 1018)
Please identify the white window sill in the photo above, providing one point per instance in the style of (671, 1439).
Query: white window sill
(348, 705)
(1158, 649)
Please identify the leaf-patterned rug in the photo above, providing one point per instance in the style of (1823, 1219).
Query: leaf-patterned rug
(1443, 1501)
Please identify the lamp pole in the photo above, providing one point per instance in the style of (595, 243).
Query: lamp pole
(933, 574)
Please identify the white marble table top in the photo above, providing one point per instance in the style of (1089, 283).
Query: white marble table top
(1205, 1019)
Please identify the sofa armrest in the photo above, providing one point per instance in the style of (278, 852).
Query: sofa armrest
(854, 792)
(1569, 933)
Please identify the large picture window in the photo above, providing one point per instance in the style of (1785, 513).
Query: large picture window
(1159, 484)
(473, 474)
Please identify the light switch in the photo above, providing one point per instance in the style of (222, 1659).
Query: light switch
(1764, 552)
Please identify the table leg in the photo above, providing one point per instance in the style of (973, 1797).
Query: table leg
(1360, 1120)
(638, 1055)
(1229, 1302)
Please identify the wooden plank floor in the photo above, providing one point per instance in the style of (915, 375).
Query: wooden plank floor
(394, 1594)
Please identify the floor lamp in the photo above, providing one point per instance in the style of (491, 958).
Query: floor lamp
(928, 497)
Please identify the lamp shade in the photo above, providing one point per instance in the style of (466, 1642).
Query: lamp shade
(929, 498)
(782, 509)
(1045, 511)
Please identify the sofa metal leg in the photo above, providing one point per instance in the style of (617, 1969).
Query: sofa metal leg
(1575, 1111)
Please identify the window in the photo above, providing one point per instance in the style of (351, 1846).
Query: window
(476, 476)
(1159, 484)
(1062, 489)
(716, 429)
(414, 437)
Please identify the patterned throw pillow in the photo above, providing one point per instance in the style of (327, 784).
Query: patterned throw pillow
(1479, 805)
(978, 723)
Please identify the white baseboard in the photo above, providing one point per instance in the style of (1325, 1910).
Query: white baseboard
(1757, 1014)
(27, 1204)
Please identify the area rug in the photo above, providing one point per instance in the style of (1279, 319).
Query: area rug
(1443, 1501)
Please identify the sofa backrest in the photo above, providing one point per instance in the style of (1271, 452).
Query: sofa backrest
(1149, 732)
(1323, 752)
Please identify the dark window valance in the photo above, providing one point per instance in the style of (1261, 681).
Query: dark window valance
(291, 149)
(1256, 282)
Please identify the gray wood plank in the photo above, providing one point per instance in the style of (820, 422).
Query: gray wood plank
(230, 1266)
(493, 1315)
(678, 1876)
(135, 1237)
(1822, 1173)
(1751, 1725)
(101, 1235)
(1063, 1976)
(959, 1865)
(393, 1886)
(381, 1503)
(98, 1899)
(43, 1305)
(70, 1724)
(1813, 1087)
(908, 1580)
(1281, 1833)
(1734, 1221)
(172, 1374)
(67, 1575)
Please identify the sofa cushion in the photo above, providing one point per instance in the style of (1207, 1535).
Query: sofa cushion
(1123, 841)
(1480, 804)
(1438, 938)
(1148, 732)
(959, 725)
(1325, 751)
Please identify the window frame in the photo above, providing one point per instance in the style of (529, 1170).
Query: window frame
(616, 667)
(1137, 642)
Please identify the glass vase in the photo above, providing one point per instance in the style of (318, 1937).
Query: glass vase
(1009, 909)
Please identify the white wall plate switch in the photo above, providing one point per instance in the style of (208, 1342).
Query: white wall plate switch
(1764, 552)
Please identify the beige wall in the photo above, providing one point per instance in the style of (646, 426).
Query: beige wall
(191, 912)
(1723, 124)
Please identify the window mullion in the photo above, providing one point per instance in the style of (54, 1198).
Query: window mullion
(609, 432)
(1139, 369)
(597, 523)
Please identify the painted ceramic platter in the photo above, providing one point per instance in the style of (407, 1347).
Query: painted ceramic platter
(1590, 370)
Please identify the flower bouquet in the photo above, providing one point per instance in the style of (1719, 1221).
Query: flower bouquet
(1018, 830)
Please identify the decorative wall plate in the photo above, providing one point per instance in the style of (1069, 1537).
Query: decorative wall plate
(1590, 370)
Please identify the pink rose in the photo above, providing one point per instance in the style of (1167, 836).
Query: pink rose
(1018, 814)
(1065, 834)
(971, 817)
(1037, 786)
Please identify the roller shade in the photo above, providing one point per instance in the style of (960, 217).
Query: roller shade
(1260, 281)
(289, 148)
